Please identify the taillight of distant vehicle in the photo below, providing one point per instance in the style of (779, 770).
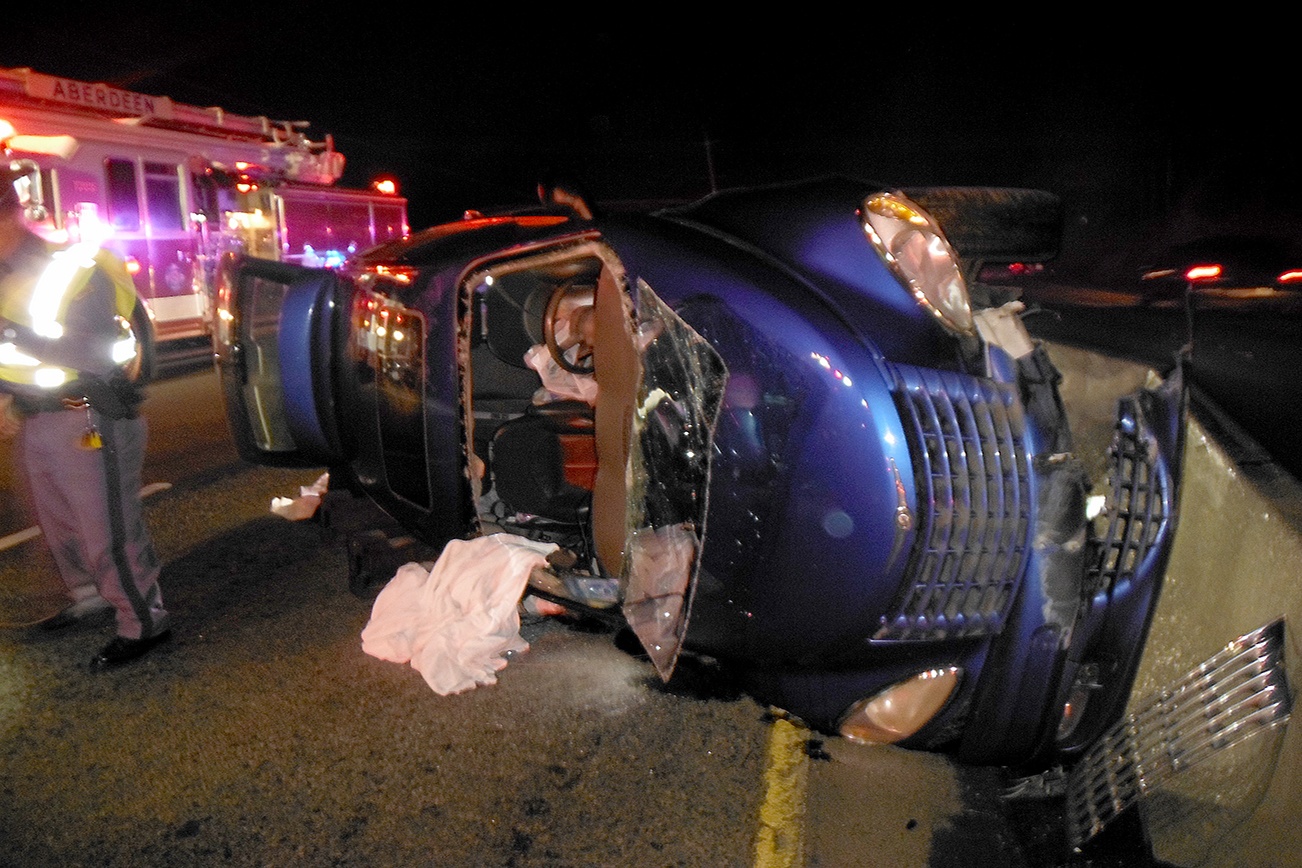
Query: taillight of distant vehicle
(1004, 271)
(1202, 273)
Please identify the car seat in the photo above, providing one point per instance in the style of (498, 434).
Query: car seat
(544, 462)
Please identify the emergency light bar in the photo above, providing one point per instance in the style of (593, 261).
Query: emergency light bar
(52, 146)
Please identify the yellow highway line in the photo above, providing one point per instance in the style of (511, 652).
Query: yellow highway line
(780, 839)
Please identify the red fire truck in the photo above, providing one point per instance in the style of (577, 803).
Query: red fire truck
(171, 187)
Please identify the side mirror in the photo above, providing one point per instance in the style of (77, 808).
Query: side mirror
(30, 191)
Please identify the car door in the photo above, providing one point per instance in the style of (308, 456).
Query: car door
(349, 372)
(273, 346)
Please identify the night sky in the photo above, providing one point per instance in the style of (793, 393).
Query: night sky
(1120, 122)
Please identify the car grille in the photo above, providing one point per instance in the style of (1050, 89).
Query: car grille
(1239, 692)
(1137, 505)
(970, 464)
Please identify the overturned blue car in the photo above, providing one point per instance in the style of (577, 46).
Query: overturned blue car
(780, 427)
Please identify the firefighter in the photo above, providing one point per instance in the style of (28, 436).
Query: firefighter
(67, 360)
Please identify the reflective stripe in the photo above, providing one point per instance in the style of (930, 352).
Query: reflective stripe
(64, 278)
(125, 349)
(11, 355)
(49, 302)
(20, 368)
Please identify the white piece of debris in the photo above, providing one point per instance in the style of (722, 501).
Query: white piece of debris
(306, 504)
(457, 622)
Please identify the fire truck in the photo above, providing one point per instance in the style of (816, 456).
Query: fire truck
(171, 187)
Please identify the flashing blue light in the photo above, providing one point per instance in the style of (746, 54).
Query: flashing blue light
(325, 259)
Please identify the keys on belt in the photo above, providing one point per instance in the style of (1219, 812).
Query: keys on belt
(90, 436)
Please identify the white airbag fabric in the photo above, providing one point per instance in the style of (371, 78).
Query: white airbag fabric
(558, 383)
(456, 623)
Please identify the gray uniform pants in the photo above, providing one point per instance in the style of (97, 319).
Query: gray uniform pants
(88, 505)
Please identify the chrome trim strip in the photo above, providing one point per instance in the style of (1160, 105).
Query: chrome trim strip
(1238, 692)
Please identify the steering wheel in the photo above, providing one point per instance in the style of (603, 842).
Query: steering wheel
(584, 364)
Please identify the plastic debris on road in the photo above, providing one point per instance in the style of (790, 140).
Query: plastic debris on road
(306, 504)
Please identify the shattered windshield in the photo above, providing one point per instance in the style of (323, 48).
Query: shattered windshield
(668, 471)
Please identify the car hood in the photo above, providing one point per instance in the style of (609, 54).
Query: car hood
(812, 230)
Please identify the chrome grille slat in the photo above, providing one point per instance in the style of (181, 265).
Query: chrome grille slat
(1240, 691)
(1017, 502)
(1137, 509)
(990, 532)
(970, 463)
(975, 544)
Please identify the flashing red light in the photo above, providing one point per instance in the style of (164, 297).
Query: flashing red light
(132, 264)
(387, 186)
(1293, 275)
(245, 187)
(1196, 273)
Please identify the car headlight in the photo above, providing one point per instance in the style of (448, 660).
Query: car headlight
(911, 242)
(900, 710)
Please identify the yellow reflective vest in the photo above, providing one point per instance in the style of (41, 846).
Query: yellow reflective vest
(34, 301)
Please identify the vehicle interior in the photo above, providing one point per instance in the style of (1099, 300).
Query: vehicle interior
(590, 420)
(537, 327)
